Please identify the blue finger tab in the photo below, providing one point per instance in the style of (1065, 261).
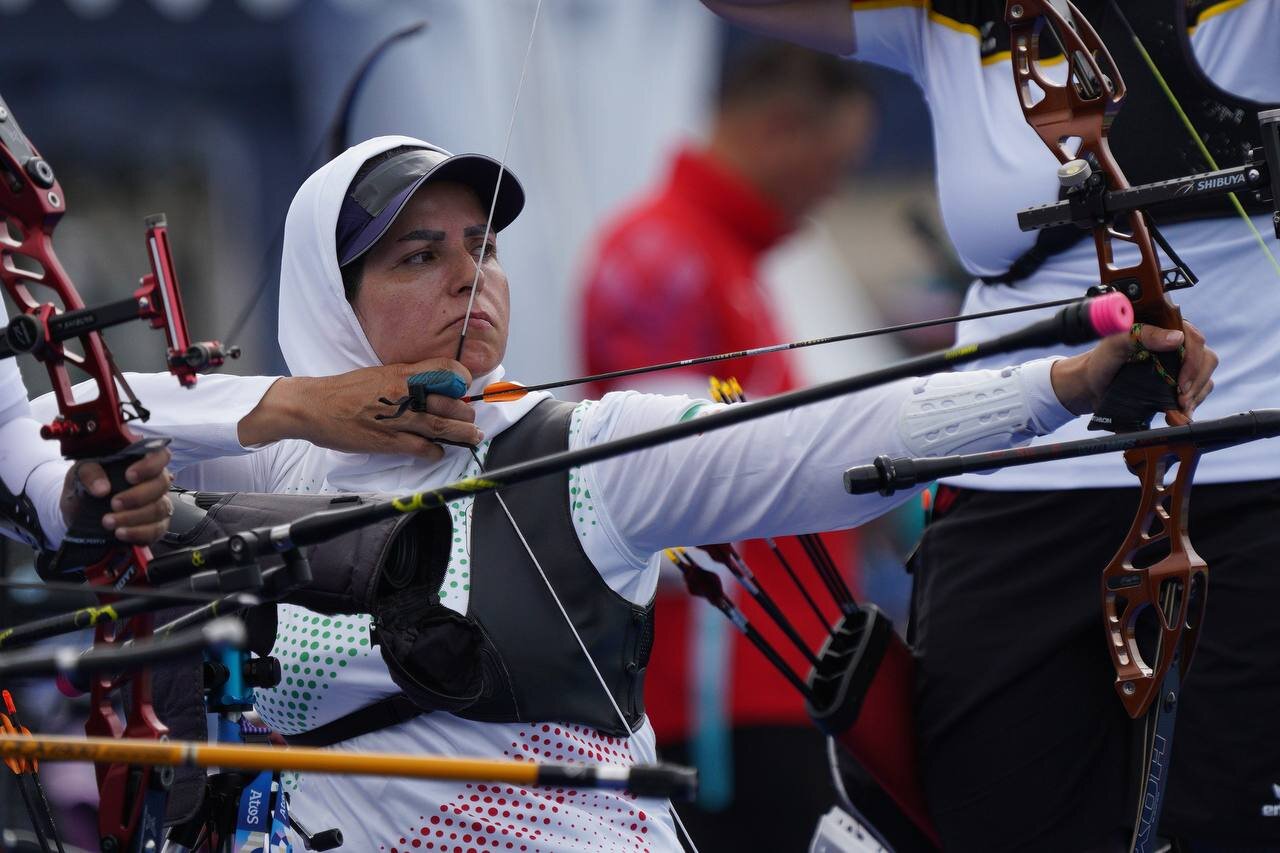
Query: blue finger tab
(443, 382)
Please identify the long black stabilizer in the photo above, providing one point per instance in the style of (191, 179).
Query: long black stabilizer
(890, 474)
(69, 660)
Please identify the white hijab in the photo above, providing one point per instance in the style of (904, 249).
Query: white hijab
(321, 336)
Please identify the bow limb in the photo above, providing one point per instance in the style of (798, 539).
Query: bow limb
(331, 143)
(1172, 584)
(1081, 109)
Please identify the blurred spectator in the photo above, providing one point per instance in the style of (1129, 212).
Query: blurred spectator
(675, 275)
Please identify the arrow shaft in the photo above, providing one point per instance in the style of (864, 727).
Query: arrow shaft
(252, 757)
(765, 350)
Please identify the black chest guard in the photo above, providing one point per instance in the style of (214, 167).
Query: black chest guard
(513, 658)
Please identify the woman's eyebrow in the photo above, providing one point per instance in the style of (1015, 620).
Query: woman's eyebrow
(422, 235)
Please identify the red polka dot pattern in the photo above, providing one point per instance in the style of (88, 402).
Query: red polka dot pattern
(488, 818)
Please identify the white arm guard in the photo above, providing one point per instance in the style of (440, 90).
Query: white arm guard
(980, 410)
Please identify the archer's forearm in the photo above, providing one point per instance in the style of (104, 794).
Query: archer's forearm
(31, 475)
(281, 413)
(784, 473)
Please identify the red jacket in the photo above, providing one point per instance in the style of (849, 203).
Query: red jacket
(674, 276)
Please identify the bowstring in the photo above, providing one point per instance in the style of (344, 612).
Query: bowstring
(497, 187)
(462, 341)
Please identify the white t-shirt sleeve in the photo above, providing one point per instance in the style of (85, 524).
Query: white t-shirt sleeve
(13, 394)
(201, 421)
(1235, 44)
(32, 466)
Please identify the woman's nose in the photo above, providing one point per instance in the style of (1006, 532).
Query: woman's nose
(468, 272)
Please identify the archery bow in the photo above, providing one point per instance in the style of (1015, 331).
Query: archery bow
(1155, 570)
(51, 316)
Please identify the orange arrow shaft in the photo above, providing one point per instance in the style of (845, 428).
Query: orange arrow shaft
(192, 754)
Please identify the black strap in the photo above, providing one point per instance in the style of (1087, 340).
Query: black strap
(382, 714)
(1049, 242)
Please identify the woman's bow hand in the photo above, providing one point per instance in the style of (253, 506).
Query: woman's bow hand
(1081, 380)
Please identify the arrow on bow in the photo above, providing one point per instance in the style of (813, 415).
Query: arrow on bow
(1077, 323)
(506, 392)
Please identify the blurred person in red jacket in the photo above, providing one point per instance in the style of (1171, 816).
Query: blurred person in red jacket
(674, 275)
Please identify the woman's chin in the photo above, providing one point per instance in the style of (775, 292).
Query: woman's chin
(480, 361)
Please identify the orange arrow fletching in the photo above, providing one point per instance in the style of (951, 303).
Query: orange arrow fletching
(499, 392)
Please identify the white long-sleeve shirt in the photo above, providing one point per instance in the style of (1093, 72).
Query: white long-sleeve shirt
(203, 422)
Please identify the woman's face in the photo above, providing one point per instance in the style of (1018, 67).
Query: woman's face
(417, 281)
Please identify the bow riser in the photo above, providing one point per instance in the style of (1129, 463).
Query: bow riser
(1081, 109)
(1070, 110)
(1172, 588)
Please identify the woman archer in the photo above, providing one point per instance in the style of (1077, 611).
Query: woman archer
(382, 247)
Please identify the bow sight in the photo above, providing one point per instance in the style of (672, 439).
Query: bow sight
(1089, 202)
